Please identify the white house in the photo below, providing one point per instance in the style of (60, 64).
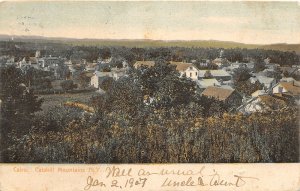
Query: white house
(187, 69)
(115, 73)
(96, 78)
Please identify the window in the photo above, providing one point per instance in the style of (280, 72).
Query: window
(196, 74)
(190, 74)
(191, 68)
(280, 89)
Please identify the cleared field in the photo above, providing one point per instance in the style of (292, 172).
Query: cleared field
(53, 100)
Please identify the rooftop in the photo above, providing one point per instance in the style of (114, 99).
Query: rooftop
(144, 63)
(182, 66)
(204, 83)
(218, 93)
(292, 87)
(214, 73)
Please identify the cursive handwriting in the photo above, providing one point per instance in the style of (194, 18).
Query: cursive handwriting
(117, 172)
(188, 182)
(125, 178)
(143, 172)
(216, 180)
(91, 182)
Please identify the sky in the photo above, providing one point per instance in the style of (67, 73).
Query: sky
(246, 22)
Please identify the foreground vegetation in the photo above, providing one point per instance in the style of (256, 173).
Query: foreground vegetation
(175, 125)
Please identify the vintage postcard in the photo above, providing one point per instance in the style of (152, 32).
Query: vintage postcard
(149, 95)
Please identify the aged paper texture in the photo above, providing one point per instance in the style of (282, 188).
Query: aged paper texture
(149, 95)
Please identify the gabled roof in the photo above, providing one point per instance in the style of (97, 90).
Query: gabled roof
(288, 69)
(102, 74)
(182, 66)
(204, 83)
(291, 87)
(262, 79)
(33, 60)
(258, 93)
(144, 63)
(216, 73)
(89, 74)
(273, 100)
(218, 93)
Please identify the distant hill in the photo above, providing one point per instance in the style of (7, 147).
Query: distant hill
(151, 43)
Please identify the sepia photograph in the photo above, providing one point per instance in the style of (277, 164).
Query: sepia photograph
(152, 82)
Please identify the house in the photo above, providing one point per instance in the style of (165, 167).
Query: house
(186, 69)
(221, 62)
(267, 60)
(34, 62)
(203, 62)
(229, 96)
(104, 61)
(91, 66)
(144, 63)
(118, 72)
(115, 73)
(258, 93)
(264, 102)
(296, 66)
(217, 74)
(204, 83)
(266, 81)
(288, 79)
(288, 71)
(97, 78)
(249, 65)
(272, 66)
(289, 88)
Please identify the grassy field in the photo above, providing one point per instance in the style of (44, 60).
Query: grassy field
(53, 100)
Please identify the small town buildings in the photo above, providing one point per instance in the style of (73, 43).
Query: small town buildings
(97, 78)
(272, 66)
(289, 88)
(288, 79)
(104, 61)
(204, 83)
(264, 102)
(118, 72)
(221, 62)
(267, 82)
(34, 62)
(143, 63)
(217, 74)
(287, 70)
(186, 69)
(90, 66)
(258, 93)
(115, 73)
(228, 96)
